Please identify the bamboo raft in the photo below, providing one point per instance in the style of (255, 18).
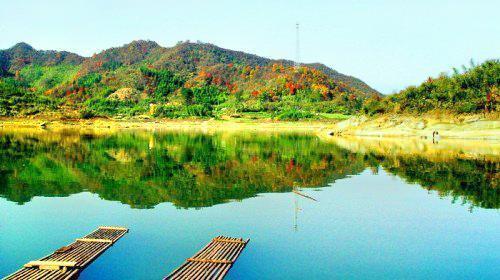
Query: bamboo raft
(213, 261)
(67, 262)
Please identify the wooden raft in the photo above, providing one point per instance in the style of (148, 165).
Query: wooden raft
(68, 261)
(213, 261)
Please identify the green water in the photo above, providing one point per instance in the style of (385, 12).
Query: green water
(378, 216)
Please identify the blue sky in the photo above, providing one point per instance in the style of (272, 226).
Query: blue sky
(388, 44)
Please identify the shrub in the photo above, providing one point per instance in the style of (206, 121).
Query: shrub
(163, 82)
(373, 106)
(198, 110)
(188, 95)
(466, 107)
(209, 95)
(294, 115)
(87, 114)
(168, 111)
(89, 80)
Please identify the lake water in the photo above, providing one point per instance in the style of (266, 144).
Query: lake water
(382, 211)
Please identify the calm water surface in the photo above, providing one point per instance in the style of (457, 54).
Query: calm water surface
(379, 215)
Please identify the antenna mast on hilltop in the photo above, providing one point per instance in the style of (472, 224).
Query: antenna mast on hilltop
(297, 46)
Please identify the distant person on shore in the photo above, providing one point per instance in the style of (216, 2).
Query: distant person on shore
(435, 137)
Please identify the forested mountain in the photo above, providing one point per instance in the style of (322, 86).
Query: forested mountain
(189, 79)
(203, 80)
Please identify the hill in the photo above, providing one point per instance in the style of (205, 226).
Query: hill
(189, 79)
(190, 57)
(22, 54)
(475, 89)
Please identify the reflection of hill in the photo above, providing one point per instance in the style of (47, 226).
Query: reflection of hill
(471, 181)
(143, 169)
(446, 149)
(464, 170)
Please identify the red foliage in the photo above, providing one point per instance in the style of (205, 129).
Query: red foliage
(291, 165)
(255, 93)
(292, 87)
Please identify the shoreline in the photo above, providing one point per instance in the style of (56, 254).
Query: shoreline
(471, 127)
(191, 124)
(402, 144)
(399, 126)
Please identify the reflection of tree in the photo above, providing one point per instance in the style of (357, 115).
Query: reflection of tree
(197, 170)
(188, 170)
(472, 181)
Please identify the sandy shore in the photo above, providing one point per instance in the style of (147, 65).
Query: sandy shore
(458, 127)
(191, 124)
(461, 127)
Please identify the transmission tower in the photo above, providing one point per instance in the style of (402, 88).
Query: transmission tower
(297, 46)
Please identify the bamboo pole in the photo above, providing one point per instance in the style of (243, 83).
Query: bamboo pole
(94, 240)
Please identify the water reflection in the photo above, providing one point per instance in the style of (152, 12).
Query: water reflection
(143, 169)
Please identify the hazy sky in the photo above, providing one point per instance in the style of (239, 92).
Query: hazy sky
(388, 44)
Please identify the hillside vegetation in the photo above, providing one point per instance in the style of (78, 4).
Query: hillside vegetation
(189, 79)
(202, 80)
(473, 90)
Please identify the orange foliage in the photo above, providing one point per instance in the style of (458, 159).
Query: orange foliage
(292, 87)
(321, 89)
(217, 80)
(278, 68)
(231, 87)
